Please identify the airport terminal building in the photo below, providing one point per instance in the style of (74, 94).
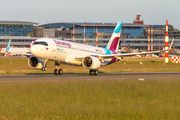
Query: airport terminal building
(133, 35)
(20, 33)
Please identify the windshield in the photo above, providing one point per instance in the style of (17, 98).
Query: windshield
(40, 43)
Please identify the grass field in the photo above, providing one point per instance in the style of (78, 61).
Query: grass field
(20, 66)
(91, 100)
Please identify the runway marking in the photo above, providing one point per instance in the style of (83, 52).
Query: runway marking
(90, 79)
(141, 79)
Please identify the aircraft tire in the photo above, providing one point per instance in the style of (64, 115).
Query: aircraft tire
(55, 72)
(43, 69)
(60, 71)
(96, 72)
(91, 72)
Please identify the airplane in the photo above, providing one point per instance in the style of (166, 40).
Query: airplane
(5, 52)
(64, 52)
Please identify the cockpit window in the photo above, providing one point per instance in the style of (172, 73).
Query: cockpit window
(40, 43)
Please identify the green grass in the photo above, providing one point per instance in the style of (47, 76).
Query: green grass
(20, 66)
(91, 100)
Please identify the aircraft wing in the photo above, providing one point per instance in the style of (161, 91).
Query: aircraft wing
(126, 54)
(118, 56)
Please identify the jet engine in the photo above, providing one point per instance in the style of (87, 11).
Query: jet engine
(91, 62)
(35, 63)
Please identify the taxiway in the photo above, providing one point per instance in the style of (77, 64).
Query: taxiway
(101, 76)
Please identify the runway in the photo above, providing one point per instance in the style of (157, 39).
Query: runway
(101, 76)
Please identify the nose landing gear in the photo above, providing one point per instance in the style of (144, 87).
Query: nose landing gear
(43, 68)
(44, 64)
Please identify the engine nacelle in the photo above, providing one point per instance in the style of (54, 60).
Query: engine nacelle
(91, 62)
(35, 63)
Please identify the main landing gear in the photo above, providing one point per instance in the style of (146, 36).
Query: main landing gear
(58, 71)
(93, 72)
(44, 64)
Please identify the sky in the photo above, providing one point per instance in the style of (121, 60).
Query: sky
(50, 11)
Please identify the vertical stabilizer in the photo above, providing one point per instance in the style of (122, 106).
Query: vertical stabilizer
(7, 49)
(113, 43)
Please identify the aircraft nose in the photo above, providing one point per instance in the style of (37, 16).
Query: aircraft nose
(33, 50)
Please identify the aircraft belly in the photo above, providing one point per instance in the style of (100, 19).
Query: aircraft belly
(105, 62)
(58, 56)
(70, 59)
(61, 57)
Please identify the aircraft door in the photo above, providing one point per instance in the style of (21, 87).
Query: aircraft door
(77, 50)
(54, 48)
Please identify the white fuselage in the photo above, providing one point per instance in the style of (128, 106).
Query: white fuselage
(66, 52)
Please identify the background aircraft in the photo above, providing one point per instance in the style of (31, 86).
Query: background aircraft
(5, 52)
(70, 53)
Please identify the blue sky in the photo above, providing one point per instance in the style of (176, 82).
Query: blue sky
(45, 11)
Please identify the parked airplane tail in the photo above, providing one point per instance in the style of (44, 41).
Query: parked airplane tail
(7, 49)
(113, 43)
(6, 53)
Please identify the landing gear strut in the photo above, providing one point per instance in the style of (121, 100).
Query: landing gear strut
(93, 72)
(44, 64)
(58, 71)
